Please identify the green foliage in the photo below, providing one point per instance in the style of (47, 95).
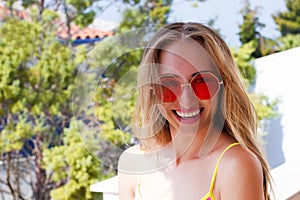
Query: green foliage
(132, 2)
(35, 71)
(289, 21)
(289, 41)
(134, 19)
(85, 19)
(36, 83)
(14, 135)
(114, 57)
(114, 116)
(243, 58)
(159, 14)
(14, 51)
(122, 57)
(264, 108)
(48, 17)
(73, 164)
(100, 90)
(249, 29)
(267, 46)
(117, 59)
(25, 3)
(84, 15)
(108, 80)
(147, 14)
(96, 85)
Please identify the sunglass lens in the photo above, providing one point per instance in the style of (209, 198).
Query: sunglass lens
(164, 93)
(168, 95)
(168, 89)
(205, 86)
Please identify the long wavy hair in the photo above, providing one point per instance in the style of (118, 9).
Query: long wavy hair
(236, 110)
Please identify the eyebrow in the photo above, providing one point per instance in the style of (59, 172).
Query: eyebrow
(202, 72)
(176, 76)
(168, 76)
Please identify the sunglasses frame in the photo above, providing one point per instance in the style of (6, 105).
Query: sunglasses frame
(189, 84)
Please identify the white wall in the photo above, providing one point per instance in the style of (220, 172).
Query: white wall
(278, 76)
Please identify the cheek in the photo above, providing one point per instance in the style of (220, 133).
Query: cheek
(215, 104)
(211, 106)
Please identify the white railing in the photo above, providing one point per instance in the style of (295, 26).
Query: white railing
(286, 180)
(108, 187)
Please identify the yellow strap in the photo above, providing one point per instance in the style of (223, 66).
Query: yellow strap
(217, 166)
(137, 193)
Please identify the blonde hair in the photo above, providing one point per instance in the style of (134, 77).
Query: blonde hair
(235, 105)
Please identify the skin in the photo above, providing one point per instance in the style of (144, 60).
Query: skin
(189, 177)
(183, 59)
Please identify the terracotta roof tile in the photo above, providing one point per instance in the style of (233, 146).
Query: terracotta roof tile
(76, 31)
(4, 11)
(82, 33)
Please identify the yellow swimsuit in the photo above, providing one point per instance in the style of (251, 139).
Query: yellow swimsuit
(209, 195)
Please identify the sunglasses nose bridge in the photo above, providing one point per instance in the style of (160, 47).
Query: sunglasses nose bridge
(186, 84)
(187, 89)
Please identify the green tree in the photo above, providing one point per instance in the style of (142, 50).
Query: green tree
(288, 23)
(110, 129)
(289, 41)
(249, 28)
(73, 167)
(146, 14)
(250, 32)
(254, 45)
(74, 11)
(108, 75)
(120, 56)
(36, 82)
(37, 75)
(244, 59)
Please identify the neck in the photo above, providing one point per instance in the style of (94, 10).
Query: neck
(190, 146)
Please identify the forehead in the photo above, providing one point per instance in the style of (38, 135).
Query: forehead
(185, 57)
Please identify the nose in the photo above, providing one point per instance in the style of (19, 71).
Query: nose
(187, 99)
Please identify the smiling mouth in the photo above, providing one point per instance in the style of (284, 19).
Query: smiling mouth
(187, 115)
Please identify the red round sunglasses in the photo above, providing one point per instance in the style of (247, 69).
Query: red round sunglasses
(205, 86)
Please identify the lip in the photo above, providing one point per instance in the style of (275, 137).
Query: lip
(188, 120)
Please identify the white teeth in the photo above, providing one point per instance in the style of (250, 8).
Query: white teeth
(186, 115)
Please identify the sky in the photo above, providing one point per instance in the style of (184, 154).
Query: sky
(225, 12)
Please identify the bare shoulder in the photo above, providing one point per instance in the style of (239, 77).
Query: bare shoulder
(239, 157)
(240, 175)
(129, 159)
(126, 172)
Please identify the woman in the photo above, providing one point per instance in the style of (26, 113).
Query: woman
(196, 124)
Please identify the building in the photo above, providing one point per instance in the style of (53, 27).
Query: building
(81, 35)
(277, 77)
(78, 35)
